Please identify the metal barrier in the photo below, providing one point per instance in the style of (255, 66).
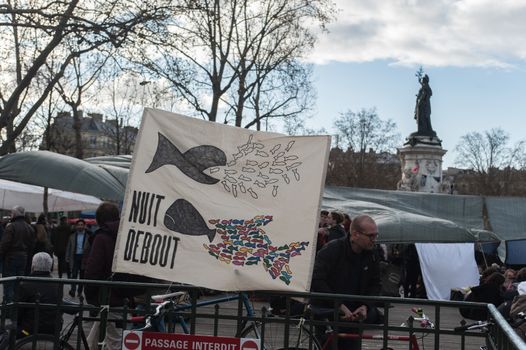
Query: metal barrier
(219, 316)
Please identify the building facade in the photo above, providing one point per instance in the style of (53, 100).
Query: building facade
(99, 137)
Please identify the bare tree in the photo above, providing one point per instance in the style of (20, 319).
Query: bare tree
(365, 130)
(370, 142)
(224, 57)
(491, 158)
(379, 170)
(33, 32)
(81, 75)
(126, 97)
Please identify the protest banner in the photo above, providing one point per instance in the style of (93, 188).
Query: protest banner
(221, 207)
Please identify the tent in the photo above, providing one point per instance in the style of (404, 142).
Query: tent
(401, 216)
(53, 170)
(405, 217)
(31, 198)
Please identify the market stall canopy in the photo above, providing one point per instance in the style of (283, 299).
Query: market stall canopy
(31, 198)
(53, 170)
(402, 216)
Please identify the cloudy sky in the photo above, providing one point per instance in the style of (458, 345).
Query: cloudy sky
(474, 52)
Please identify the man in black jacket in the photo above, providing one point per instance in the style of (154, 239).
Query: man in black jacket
(45, 293)
(349, 266)
(16, 248)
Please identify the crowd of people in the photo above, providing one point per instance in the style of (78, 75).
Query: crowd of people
(28, 249)
(503, 287)
(21, 240)
(349, 261)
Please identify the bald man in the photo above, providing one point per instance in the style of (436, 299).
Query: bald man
(349, 265)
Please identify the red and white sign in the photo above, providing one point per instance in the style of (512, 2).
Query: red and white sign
(132, 340)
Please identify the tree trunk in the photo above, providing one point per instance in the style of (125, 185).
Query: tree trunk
(240, 100)
(45, 201)
(10, 139)
(77, 126)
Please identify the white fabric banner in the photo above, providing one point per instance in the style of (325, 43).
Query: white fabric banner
(221, 207)
(446, 266)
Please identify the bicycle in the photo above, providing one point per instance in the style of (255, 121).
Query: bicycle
(486, 326)
(483, 326)
(41, 341)
(169, 312)
(155, 322)
(302, 337)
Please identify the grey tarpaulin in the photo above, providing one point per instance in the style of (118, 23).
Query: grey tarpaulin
(122, 161)
(507, 216)
(402, 216)
(508, 219)
(413, 217)
(53, 170)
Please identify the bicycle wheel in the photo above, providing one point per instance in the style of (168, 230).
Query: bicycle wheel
(299, 338)
(43, 342)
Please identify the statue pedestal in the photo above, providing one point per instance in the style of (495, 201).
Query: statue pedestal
(422, 166)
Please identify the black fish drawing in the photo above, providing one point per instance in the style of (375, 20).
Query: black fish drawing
(191, 163)
(183, 217)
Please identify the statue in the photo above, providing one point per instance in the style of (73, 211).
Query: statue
(423, 109)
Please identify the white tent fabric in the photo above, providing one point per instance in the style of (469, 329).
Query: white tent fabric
(31, 198)
(446, 266)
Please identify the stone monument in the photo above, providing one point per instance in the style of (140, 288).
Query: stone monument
(421, 155)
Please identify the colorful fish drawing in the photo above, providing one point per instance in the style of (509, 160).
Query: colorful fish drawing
(245, 243)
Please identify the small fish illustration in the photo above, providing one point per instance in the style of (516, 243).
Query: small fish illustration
(289, 158)
(293, 165)
(248, 170)
(261, 153)
(244, 178)
(296, 174)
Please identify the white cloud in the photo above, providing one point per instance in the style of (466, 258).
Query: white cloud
(427, 32)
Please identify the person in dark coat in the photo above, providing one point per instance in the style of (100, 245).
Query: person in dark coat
(490, 292)
(59, 240)
(336, 229)
(411, 264)
(349, 266)
(42, 243)
(45, 293)
(98, 267)
(18, 242)
(518, 306)
(509, 295)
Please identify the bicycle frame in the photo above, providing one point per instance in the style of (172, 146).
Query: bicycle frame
(412, 339)
(158, 324)
(81, 335)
